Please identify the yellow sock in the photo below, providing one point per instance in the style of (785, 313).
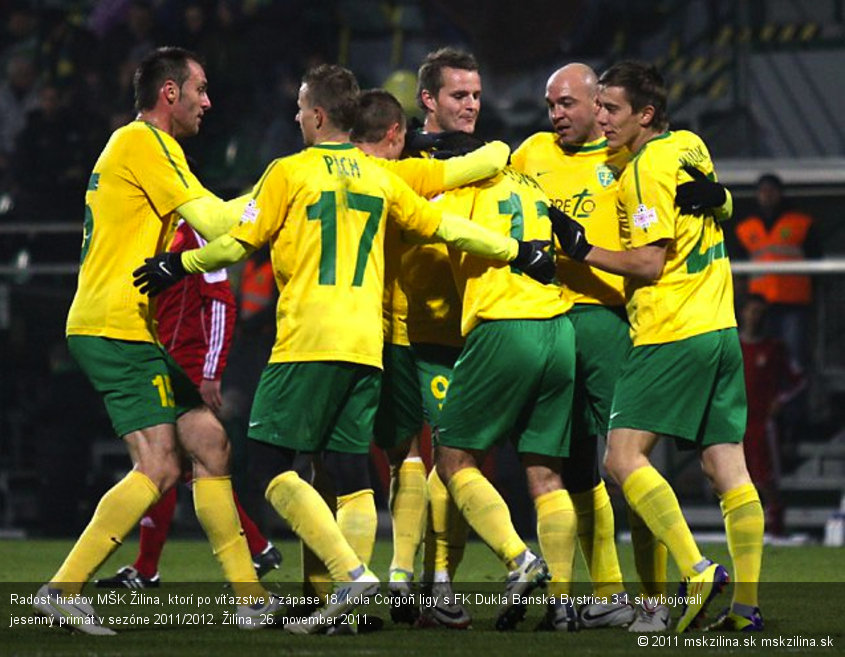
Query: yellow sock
(218, 515)
(356, 517)
(744, 522)
(312, 520)
(650, 557)
(119, 510)
(316, 580)
(457, 532)
(652, 498)
(556, 531)
(487, 513)
(447, 531)
(408, 509)
(597, 537)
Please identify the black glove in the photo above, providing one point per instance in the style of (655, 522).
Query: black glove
(533, 260)
(159, 273)
(441, 145)
(451, 144)
(700, 194)
(570, 234)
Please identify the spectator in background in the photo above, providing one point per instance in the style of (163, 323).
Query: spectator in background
(779, 233)
(51, 162)
(18, 95)
(771, 380)
(66, 48)
(20, 33)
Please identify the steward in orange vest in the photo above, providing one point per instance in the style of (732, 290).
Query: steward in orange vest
(778, 234)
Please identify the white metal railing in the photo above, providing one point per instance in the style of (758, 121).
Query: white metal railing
(825, 266)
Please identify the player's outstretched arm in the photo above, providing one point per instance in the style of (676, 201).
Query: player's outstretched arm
(165, 269)
(476, 165)
(645, 262)
(212, 217)
(530, 256)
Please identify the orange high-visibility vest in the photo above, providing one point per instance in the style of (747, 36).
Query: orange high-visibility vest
(784, 242)
(257, 287)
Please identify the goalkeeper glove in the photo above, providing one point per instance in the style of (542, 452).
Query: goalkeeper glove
(570, 234)
(533, 260)
(159, 273)
(700, 194)
(442, 145)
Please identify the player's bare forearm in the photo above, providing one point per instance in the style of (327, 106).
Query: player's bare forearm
(644, 262)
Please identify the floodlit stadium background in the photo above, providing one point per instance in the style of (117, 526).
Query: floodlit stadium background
(759, 81)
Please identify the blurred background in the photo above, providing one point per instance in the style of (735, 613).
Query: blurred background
(757, 79)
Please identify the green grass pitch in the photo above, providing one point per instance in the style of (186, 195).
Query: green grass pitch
(802, 597)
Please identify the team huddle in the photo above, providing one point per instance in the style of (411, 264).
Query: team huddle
(578, 288)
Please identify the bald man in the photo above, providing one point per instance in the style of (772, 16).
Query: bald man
(579, 172)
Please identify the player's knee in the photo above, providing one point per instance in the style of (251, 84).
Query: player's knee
(546, 482)
(449, 461)
(615, 466)
(164, 473)
(170, 477)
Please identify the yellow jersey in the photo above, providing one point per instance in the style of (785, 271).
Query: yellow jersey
(511, 204)
(433, 302)
(581, 181)
(434, 305)
(324, 211)
(426, 177)
(138, 181)
(694, 293)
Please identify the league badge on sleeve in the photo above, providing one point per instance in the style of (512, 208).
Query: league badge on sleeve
(250, 213)
(644, 216)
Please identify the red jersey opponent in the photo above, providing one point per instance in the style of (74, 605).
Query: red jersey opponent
(771, 380)
(196, 319)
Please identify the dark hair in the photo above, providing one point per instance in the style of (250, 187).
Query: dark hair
(770, 179)
(643, 86)
(377, 111)
(335, 89)
(430, 75)
(162, 64)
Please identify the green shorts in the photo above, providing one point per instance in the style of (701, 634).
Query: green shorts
(515, 380)
(400, 410)
(435, 363)
(692, 389)
(316, 406)
(602, 342)
(141, 384)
